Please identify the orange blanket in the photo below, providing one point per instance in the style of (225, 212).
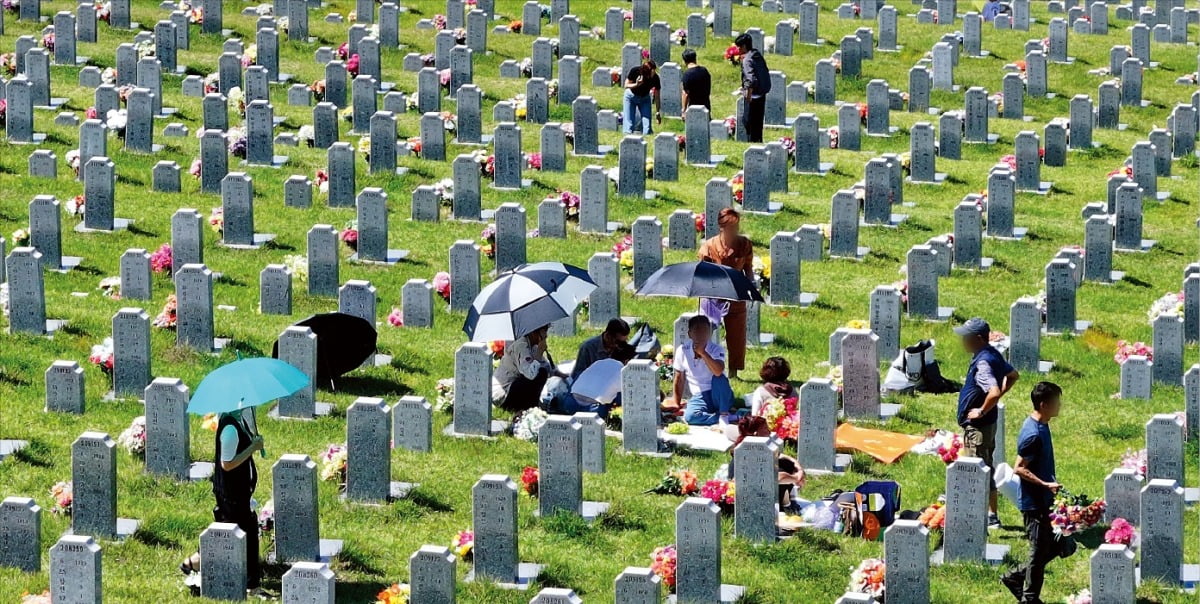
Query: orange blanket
(884, 446)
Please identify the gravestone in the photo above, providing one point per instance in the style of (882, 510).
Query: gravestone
(27, 294)
(194, 318)
(99, 181)
(131, 352)
(368, 451)
(472, 389)
(308, 582)
(817, 422)
(1122, 494)
(923, 273)
(21, 534)
(843, 234)
(167, 430)
(223, 574)
(297, 346)
(860, 366)
(1060, 296)
(885, 312)
(94, 485)
(647, 248)
(187, 239)
(906, 549)
(432, 574)
(755, 515)
(322, 248)
(297, 518)
(1136, 377)
(631, 172)
(510, 237)
(604, 303)
(968, 237)
(1025, 323)
(1162, 531)
(849, 133)
(560, 466)
(509, 160)
(554, 148)
(45, 230)
(638, 585)
(1191, 396)
(75, 570)
(1165, 446)
(1112, 569)
(464, 274)
(966, 510)
(698, 547)
(494, 521)
(412, 429)
(639, 398)
(65, 387)
(165, 176)
(1168, 349)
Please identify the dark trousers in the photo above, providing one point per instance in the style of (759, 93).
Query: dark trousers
(756, 109)
(240, 514)
(1042, 549)
(525, 393)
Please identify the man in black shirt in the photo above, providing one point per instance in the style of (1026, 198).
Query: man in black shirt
(756, 83)
(641, 89)
(697, 83)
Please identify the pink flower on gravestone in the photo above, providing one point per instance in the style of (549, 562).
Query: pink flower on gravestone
(343, 51)
(444, 78)
(352, 65)
(396, 318)
(160, 260)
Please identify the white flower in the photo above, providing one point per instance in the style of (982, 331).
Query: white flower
(4, 298)
(529, 424)
(109, 75)
(236, 97)
(73, 159)
(116, 119)
(306, 133)
(75, 208)
(298, 265)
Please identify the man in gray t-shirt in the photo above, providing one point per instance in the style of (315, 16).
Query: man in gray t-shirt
(600, 347)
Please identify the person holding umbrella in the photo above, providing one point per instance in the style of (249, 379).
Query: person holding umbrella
(518, 381)
(732, 249)
(234, 479)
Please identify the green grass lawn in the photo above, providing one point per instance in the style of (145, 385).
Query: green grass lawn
(814, 567)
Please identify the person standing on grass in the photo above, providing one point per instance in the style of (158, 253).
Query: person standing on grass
(989, 377)
(1035, 467)
(730, 248)
(756, 83)
(696, 83)
(641, 89)
(234, 480)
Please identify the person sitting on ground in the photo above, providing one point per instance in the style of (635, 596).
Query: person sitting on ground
(790, 472)
(523, 371)
(700, 366)
(774, 373)
(600, 347)
(598, 389)
(992, 9)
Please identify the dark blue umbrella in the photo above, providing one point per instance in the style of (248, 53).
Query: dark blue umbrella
(530, 297)
(700, 280)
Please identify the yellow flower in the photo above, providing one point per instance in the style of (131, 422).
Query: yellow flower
(667, 350)
(521, 112)
(209, 422)
(731, 492)
(762, 266)
(627, 258)
(857, 324)
(364, 145)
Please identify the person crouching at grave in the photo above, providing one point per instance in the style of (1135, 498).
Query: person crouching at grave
(989, 377)
(234, 480)
(1035, 467)
(598, 388)
(790, 472)
(775, 372)
(730, 248)
(700, 366)
(518, 381)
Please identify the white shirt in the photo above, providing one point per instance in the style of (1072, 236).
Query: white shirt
(699, 377)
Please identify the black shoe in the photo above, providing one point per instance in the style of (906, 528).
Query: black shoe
(1015, 585)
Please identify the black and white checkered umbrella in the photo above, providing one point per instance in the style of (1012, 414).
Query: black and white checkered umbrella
(530, 297)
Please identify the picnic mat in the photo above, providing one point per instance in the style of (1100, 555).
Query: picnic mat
(884, 446)
(704, 438)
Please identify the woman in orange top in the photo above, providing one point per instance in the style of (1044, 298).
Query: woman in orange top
(730, 248)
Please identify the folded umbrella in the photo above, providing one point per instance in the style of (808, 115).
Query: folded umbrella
(700, 280)
(530, 297)
(344, 343)
(245, 383)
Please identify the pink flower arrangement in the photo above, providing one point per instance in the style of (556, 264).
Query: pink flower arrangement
(1120, 532)
(91, 113)
(63, 493)
(534, 161)
(720, 492)
(350, 237)
(663, 562)
(160, 260)
(701, 221)
(1009, 160)
(1134, 460)
(949, 449)
(441, 285)
(439, 22)
(194, 170)
(624, 244)
(570, 201)
(352, 65)
(868, 578)
(902, 287)
(1074, 513)
(1126, 350)
(396, 318)
(463, 544)
(343, 52)
(102, 356)
(444, 78)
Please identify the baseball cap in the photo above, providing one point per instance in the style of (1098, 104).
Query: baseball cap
(974, 327)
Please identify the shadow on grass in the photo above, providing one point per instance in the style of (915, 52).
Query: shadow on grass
(1059, 190)
(357, 591)
(1118, 432)
(617, 520)
(225, 279)
(12, 378)
(37, 454)
(367, 385)
(148, 536)
(72, 329)
(422, 499)
(353, 561)
(1134, 281)
(245, 349)
(823, 304)
(140, 232)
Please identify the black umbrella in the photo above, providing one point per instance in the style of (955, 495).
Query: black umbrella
(344, 343)
(700, 280)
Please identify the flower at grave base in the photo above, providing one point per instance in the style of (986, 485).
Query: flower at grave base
(514, 27)
(266, 517)
(1121, 532)
(534, 161)
(115, 120)
(209, 422)
(1126, 350)
(321, 181)
(731, 125)
(1170, 304)
(934, 516)
(445, 395)
(615, 76)
(297, 265)
(701, 221)
(439, 22)
(396, 594)
(449, 121)
(626, 260)
(720, 492)
(902, 287)
(352, 65)
(333, 463)
(12, 6)
(857, 324)
(63, 493)
(1135, 460)
(789, 144)
(949, 448)
(529, 481)
(364, 146)
(145, 49)
(462, 544)
(9, 61)
(835, 377)
(167, 317)
(216, 219)
(679, 37)
(110, 287)
(620, 247)
(133, 438)
(460, 35)
(250, 55)
(868, 578)
(306, 135)
(1125, 171)
(762, 269)
(1083, 597)
(42, 598)
(349, 235)
(343, 51)
(441, 285)
(73, 160)
(236, 99)
(863, 111)
(75, 205)
(47, 42)
(414, 146)
(782, 415)
(649, 167)
(1010, 161)
(996, 336)
(396, 318)
(834, 136)
(102, 355)
(318, 90)
(528, 424)
(663, 562)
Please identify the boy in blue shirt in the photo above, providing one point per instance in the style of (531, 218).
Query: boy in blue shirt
(1035, 467)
